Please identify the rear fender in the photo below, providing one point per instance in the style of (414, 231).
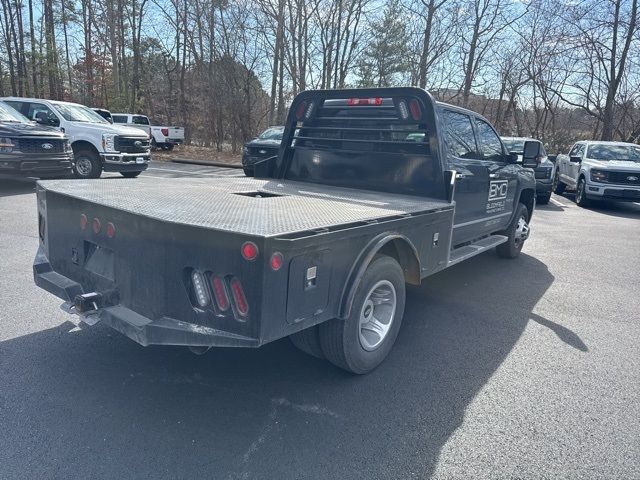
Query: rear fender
(394, 245)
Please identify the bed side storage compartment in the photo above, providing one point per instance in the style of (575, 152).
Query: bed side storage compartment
(309, 280)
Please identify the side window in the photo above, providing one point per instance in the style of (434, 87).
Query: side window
(459, 135)
(19, 106)
(140, 120)
(42, 114)
(489, 142)
(119, 118)
(577, 150)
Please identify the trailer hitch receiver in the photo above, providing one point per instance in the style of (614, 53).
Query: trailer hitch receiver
(88, 302)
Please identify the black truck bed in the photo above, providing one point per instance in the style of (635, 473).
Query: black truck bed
(258, 207)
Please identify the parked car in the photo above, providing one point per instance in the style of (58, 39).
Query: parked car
(30, 150)
(106, 114)
(264, 146)
(600, 171)
(97, 145)
(319, 247)
(164, 138)
(544, 172)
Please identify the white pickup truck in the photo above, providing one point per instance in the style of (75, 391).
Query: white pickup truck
(97, 145)
(600, 171)
(164, 138)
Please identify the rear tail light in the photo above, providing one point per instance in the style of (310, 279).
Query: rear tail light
(111, 230)
(83, 221)
(165, 131)
(239, 298)
(96, 225)
(220, 293)
(276, 261)
(249, 251)
(364, 101)
(199, 289)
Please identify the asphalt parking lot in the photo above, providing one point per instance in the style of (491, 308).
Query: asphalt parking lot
(526, 368)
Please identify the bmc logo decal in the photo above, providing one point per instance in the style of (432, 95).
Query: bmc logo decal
(498, 190)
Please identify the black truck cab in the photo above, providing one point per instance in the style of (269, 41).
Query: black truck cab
(30, 150)
(402, 141)
(371, 189)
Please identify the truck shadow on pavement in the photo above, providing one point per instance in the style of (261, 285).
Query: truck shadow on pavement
(617, 209)
(614, 209)
(91, 404)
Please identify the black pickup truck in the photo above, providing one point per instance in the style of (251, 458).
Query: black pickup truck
(371, 189)
(29, 150)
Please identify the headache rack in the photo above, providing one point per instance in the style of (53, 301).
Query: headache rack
(374, 139)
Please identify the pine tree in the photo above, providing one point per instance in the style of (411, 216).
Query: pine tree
(384, 60)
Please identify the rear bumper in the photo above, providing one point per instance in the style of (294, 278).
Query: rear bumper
(543, 186)
(140, 329)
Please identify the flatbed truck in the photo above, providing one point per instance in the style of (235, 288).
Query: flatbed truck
(371, 189)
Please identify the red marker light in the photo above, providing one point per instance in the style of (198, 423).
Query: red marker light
(238, 297)
(302, 107)
(165, 131)
(111, 230)
(276, 261)
(364, 101)
(83, 221)
(414, 108)
(96, 225)
(249, 251)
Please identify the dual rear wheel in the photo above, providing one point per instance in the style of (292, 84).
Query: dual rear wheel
(363, 340)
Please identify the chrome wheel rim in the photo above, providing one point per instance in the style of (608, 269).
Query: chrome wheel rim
(377, 314)
(522, 232)
(83, 166)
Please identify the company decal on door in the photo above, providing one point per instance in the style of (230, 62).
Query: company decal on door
(497, 195)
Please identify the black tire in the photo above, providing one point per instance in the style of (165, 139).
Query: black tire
(544, 199)
(581, 193)
(513, 246)
(308, 340)
(130, 174)
(168, 146)
(341, 339)
(559, 187)
(248, 172)
(87, 164)
(154, 145)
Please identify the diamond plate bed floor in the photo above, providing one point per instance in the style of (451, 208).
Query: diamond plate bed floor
(259, 207)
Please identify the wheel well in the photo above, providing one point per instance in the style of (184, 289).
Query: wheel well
(400, 249)
(395, 246)
(527, 198)
(83, 145)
